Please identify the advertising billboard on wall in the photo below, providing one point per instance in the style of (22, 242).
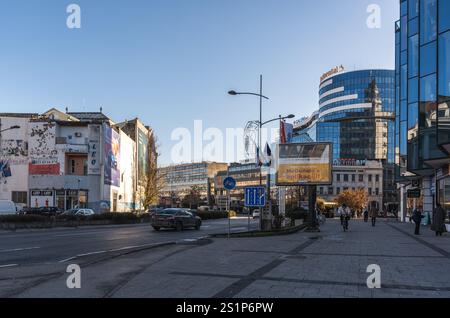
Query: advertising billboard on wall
(304, 164)
(42, 149)
(111, 153)
(94, 150)
(42, 199)
(142, 156)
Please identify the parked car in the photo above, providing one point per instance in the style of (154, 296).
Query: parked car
(80, 212)
(46, 211)
(178, 219)
(7, 207)
(256, 214)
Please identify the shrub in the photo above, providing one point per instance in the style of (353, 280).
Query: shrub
(23, 218)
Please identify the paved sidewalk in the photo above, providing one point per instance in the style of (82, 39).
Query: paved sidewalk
(303, 265)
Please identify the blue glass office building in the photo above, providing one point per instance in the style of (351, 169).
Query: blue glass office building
(423, 100)
(356, 113)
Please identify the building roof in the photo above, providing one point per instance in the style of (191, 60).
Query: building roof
(19, 115)
(89, 116)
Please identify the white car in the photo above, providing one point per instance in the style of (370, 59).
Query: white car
(7, 207)
(85, 212)
(256, 214)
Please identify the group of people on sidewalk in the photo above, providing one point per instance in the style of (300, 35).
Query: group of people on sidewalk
(438, 222)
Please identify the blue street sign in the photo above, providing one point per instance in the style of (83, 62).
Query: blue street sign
(229, 183)
(255, 197)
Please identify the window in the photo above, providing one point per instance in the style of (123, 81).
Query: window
(19, 197)
(428, 59)
(321, 190)
(413, 90)
(444, 17)
(345, 177)
(370, 191)
(428, 21)
(377, 178)
(353, 177)
(330, 190)
(444, 66)
(361, 178)
(413, 116)
(413, 57)
(72, 166)
(413, 7)
(377, 191)
(338, 177)
(338, 190)
(370, 178)
(428, 88)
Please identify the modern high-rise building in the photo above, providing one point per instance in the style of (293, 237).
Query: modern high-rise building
(356, 114)
(422, 41)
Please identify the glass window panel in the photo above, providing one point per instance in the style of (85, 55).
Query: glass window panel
(413, 8)
(444, 123)
(413, 115)
(413, 90)
(413, 56)
(428, 56)
(403, 80)
(404, 33)
(444, 15)
(403, 138)
(413, 27)
(428, 21)
(404, 8)
(444, 66)
(428, 88)
(403, 110)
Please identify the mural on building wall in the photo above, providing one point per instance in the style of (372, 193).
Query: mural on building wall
(94, 150)
(142, 156)
(112, 155)
(42, 149)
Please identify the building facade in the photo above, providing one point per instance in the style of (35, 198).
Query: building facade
(71, 160)
(422, 41)
(179, 180)
(357, 114)
(355, 175)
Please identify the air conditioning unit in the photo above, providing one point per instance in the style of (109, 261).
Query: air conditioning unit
(78, 134)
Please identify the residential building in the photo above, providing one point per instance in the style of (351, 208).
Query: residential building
(422, 42)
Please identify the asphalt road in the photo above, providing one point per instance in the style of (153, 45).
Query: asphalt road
(58, 245)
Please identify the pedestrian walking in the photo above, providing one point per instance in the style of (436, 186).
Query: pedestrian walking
(438, 220)
(417, 219)
(366, 215)
(373, 213)
(341, 212)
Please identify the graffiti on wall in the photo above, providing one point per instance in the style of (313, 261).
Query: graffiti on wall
(42, 150)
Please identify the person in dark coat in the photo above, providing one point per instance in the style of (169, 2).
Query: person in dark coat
(366, 215)
(439, 220)
(373, 213)
(417, 218)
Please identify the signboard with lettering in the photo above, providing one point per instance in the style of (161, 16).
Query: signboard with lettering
(41, 198)
(94, 150)
(304, 164)
(332, 72)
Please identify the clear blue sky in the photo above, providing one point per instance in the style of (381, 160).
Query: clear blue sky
(170, 62)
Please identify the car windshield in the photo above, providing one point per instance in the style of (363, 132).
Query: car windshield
(169, 211)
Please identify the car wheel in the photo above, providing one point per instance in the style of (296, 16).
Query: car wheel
(156, 228)
(179, 226)
(197, 226)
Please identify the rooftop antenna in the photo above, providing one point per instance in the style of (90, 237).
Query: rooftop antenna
(67, 110)
(101, 109)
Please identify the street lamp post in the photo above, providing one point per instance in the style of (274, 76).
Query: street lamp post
(261, 124)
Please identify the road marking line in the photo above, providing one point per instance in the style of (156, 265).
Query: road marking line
(9, 265)
(19, 249)
(91, 253)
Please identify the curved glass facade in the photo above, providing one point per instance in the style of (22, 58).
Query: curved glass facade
(356, 113)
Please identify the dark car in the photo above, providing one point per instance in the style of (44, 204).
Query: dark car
(47, 211)
(178, 219)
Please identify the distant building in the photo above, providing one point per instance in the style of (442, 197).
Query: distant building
(354, 175)
(179, 180)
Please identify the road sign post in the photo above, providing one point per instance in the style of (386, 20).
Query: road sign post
(229, 184)
(255, 197)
